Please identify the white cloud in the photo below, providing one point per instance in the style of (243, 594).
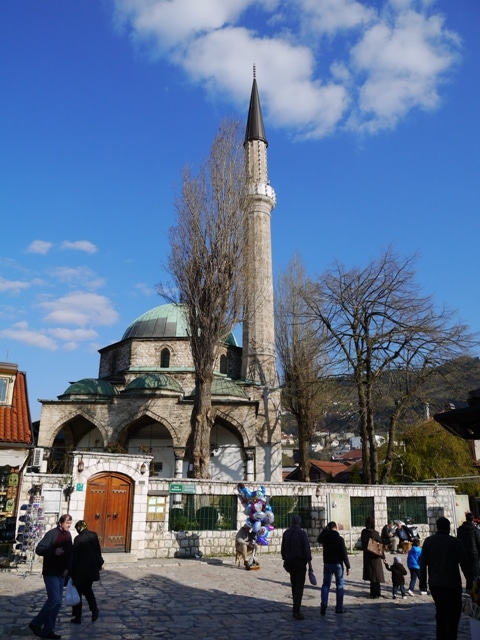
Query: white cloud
(73, 335)
(331, 16)
(21, 333)
(13, 286)
(80, 245)
(173, 23)
(39, 246)
(322, 64)
(78, 276)
(80, 309)
(416, 52)
(145, 289)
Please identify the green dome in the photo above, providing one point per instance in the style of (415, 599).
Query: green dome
(224, 387)
(153, 382)
(90, 387)
(165, 321)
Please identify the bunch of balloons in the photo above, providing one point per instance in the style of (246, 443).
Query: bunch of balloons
(259, 513)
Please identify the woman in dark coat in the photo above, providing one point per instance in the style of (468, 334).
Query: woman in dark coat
(372, 564)
(86, 564)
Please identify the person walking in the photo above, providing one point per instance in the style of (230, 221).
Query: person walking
(372, 564)
(86, 564)
(413, 564)
(56, 549)
(335, 557)
(398, 576)
(296, 554)
(469, 536)
(439, 564)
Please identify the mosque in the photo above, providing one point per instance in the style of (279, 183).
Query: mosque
(142, 399)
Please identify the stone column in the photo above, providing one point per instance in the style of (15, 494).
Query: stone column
(250, 471)
(179, 453)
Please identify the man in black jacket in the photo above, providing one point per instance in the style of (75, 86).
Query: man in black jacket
(296, 555)
(335, 556)
(56, 549)
(441, 556)
(469, 536)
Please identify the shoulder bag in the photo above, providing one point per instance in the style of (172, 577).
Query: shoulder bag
(375, 548)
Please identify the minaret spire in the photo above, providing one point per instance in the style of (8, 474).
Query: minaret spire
(255, 129)
(258, 364)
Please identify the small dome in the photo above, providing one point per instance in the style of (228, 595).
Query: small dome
(165, 321)
(153, 382)
(225, 387)
(90, 387)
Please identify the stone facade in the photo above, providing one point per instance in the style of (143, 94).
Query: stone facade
(154, 540)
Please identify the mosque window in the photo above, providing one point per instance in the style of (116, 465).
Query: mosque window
(165, 358)
(223, 364)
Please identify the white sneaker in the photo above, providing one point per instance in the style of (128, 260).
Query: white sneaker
(404, 597)
(410, 592)
(423, 593)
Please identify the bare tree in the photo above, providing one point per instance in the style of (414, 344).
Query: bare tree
(206, 266)
(299, 349)
(376, 320)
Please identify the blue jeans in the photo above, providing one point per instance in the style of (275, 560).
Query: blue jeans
(47, 615)
(414, 574)
(336, 570)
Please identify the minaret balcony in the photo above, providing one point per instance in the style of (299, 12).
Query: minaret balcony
(262, 189)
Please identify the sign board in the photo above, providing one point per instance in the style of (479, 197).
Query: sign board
(176, 487)
(52, 500)
(79, 487)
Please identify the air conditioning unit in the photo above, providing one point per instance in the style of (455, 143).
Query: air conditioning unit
(37, 457)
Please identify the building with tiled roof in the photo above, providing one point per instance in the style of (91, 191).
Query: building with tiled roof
(320, 471)
(16, 444)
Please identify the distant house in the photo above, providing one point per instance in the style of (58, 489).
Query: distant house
(320, 471)
(16, 444)
(350, 457)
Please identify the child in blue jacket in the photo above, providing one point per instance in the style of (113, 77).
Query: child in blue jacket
(413, 563)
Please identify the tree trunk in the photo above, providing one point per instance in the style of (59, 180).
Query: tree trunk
(202, 421)
(303, 453)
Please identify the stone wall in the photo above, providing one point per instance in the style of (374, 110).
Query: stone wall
(154, 540)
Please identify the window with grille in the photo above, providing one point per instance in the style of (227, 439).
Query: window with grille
(202, 513)
(360, 510)
(284, 507)
(412, 509)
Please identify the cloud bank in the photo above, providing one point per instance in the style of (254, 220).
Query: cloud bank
(323, 65)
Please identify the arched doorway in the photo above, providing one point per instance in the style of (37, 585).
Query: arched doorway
(108, 510)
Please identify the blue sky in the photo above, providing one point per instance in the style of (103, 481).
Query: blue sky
(371, 111)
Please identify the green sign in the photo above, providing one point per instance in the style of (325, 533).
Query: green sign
(176, 487)
(79, 487)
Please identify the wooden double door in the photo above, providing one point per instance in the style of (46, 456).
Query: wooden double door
(108, 510)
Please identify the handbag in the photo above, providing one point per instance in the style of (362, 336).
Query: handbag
(375, 548)
(312, 577)
(72, 597)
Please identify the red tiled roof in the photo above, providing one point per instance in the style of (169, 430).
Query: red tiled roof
(15, 424)
(353, 454)
(328, 467)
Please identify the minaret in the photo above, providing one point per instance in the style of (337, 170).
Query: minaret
(258, 361)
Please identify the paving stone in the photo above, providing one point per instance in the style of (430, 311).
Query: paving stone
(212, 598)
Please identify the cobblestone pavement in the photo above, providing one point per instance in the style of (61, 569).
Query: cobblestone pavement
(213, 598)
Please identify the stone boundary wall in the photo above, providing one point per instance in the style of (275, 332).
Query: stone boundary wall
(153, 540)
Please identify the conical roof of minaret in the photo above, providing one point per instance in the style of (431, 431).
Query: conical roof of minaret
(255, 129)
